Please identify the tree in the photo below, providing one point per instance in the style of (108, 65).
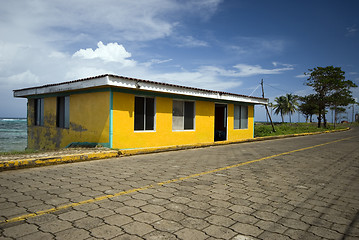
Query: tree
(330, 86)
(280, 106)
(339, 100)
(286, 105)
(337, 110)
(292, 105)
(308, 106)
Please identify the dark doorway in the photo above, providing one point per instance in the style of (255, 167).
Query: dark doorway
(220, 122)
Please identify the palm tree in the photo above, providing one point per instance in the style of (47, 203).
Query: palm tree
(280, 106)
(292, 105)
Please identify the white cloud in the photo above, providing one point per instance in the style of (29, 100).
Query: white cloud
(53, 41)
(244, 70)
(255, 46)
(351, 30)
(56, 54)
(277, 64)
(140, 20)
(203, 8)
(158, 61)
(272, 45)
(189, 41)
(213, 70)
(301, 76)
(112, 52)
(155, 61)
(132, 20)
(240, 50)
(303, 92)
(86, 71)
(251, 70)
(24, 78)
(209, 77)
(198, 79)
(217, 78)
(43, 41)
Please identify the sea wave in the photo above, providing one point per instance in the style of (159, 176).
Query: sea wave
(12, 119)
(12, 130)
(13, 134)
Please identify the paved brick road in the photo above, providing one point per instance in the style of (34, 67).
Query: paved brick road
(312, 193)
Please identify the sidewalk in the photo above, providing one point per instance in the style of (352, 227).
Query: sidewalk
(17, 161)
(292, 188)
(68, 155)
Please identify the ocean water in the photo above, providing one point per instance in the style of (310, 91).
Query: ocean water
(13, 134)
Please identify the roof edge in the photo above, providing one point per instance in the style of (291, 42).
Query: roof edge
(127, 82)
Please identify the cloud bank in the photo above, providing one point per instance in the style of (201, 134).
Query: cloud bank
(112, 52)
(53, 41)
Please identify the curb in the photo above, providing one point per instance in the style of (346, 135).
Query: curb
(53, 160)
(130, 152)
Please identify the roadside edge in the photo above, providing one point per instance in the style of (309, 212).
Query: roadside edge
(62, 159)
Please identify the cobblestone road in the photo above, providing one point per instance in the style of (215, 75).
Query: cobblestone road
(297, 188)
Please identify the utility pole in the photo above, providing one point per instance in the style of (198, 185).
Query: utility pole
(353, 120)
(265, 105)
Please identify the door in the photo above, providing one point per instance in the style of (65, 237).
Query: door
(220, 122)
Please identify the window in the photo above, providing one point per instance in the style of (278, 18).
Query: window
(39, 112)
(182, 115)
(240, 117)
(63, 112)
(144, 113)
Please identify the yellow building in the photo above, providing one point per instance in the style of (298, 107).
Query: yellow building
(126, 113)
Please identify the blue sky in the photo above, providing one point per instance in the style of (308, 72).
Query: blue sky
(227, 45)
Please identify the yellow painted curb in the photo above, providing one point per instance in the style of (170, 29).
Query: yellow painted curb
(52, 160)
(130, 152)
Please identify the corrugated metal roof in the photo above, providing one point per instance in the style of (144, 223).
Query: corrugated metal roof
(137, 80)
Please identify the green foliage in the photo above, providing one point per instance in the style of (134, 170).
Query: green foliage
(292, 105)
(285, 105)
(280, 106)
(262, 130)
(331, 89)
(309, 106)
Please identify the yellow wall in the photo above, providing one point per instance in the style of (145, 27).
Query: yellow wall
(236, 134)
(124, 136)
(89, 122)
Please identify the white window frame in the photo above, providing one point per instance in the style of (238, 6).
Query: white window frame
(144, 114)
(243, 122)
(183, 117)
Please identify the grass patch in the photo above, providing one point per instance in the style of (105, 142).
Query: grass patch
(264, 129)
(21, 152)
